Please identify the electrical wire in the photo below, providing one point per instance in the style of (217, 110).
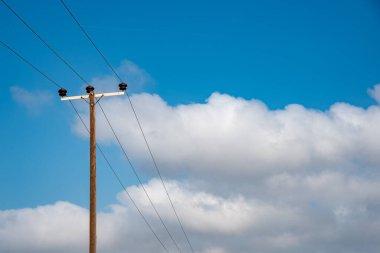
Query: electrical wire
(98, 146)
(45, 43)
(138, 121)
(138, 178)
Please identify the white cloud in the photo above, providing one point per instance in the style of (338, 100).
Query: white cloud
(301, 178)
(33, 101)
(243, 139)
(289, 217)
(290, 180)
(45, 228)
(63, 227)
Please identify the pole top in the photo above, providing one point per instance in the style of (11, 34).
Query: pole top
(90, 89)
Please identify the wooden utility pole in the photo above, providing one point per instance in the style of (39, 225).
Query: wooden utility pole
(91, 96)
(92, 174)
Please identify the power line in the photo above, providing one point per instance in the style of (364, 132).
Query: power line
(98, 146)
(138, 121)
(44, 41)
(138, 178)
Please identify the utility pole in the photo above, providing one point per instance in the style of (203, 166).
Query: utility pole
(91, 96)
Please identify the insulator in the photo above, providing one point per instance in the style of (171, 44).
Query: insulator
(90, 89)
(62, 92)
(123, 86)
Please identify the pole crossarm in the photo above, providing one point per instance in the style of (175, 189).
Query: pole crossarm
(118, 93)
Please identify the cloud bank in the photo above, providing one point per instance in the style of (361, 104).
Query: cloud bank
(243, 139)
(297, 217)
(244, 178)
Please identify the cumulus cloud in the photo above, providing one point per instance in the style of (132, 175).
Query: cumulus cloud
(243, 139)
(253, 179)
(294, 215)
(45, 228)
(33, 101)
(302, 178)
(63, 227)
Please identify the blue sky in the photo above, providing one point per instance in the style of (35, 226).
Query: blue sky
(312, 53)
